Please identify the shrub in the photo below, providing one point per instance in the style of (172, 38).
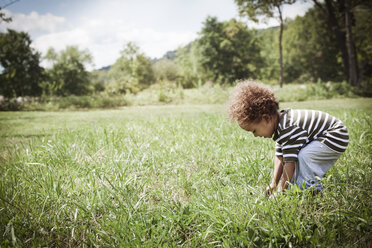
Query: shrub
(94, 101)
(168, 92)
(75, 101)
(164, 97)
(11, 105)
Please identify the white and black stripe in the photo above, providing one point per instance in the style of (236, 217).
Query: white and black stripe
(296, 128)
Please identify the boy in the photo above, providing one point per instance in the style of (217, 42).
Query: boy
(308, 142)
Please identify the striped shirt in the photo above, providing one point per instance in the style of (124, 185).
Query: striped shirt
(297, 128)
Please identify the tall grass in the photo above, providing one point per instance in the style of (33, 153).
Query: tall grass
(172, 176)
(217, 94)
(170, 94)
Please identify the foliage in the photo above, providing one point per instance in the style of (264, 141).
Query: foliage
(68, 76)
(309, 51)
(169, 93)
(98, 79)
(92, 101)
(172, 176)
(315, 91)
(340, 16)
(229, 51)
(266, 8)
(189, 60)
(268, 49)
(166, 70)
(52, 103)
(363, 41)
(255, 9)
(131, 72)
(20, 71)
(210, 93)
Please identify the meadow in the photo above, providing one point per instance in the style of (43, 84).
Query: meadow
(173, 176)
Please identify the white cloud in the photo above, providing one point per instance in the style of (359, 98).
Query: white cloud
(297, 9)
(105, 39)
(60, 40)
(104, 36)
(33, 22)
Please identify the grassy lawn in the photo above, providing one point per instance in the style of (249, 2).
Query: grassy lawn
(172, 176)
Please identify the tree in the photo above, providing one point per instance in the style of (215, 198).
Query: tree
(228, 51)
(21, 73)
(353, 63)
(188, 59)
(341, 21)
(68, 75)
(310, 53)
(98, 79)
(269, 43)
(255, 8)
(334, 27)
(166, 70)
(131, 72)
(363, 41)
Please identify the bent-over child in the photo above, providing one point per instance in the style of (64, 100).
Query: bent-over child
(308, 142)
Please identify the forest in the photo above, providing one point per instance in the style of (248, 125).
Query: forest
(331, 43)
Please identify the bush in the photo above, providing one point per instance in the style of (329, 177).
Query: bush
(94, 101)
(169, 92)
(314, 91)
(70, 102)
(11, 105)
(75, 102)
(164, 97)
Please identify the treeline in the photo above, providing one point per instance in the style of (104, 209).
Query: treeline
(224, 52)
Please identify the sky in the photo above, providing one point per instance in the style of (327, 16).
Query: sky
(105, 26)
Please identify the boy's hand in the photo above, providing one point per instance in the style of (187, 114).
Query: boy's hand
(270, 189)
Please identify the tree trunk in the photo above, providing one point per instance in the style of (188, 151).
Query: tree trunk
(340, 36)
(353, 63)
(280, 47)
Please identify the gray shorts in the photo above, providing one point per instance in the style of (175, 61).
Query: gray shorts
(314, 160)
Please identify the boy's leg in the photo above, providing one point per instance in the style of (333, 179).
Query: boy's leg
(314, 160)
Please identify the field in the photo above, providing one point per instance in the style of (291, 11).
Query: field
(166, 176)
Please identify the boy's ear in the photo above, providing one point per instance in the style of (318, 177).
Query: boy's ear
(266, 117)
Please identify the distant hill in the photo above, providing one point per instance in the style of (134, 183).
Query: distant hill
(171, 55)
(269, 29)
(105, 68)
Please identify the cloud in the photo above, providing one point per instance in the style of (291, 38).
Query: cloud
(297, 9)
(33, 22)
(105, 39)
(103, 36)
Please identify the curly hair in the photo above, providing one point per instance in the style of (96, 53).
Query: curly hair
(250, 101)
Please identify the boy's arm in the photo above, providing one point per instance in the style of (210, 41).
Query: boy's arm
(278, 171)
(288, 171)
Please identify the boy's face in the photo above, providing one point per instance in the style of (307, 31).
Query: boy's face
(265, 128)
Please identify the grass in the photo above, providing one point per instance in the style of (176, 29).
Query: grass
(172, 176)
(163, 94)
